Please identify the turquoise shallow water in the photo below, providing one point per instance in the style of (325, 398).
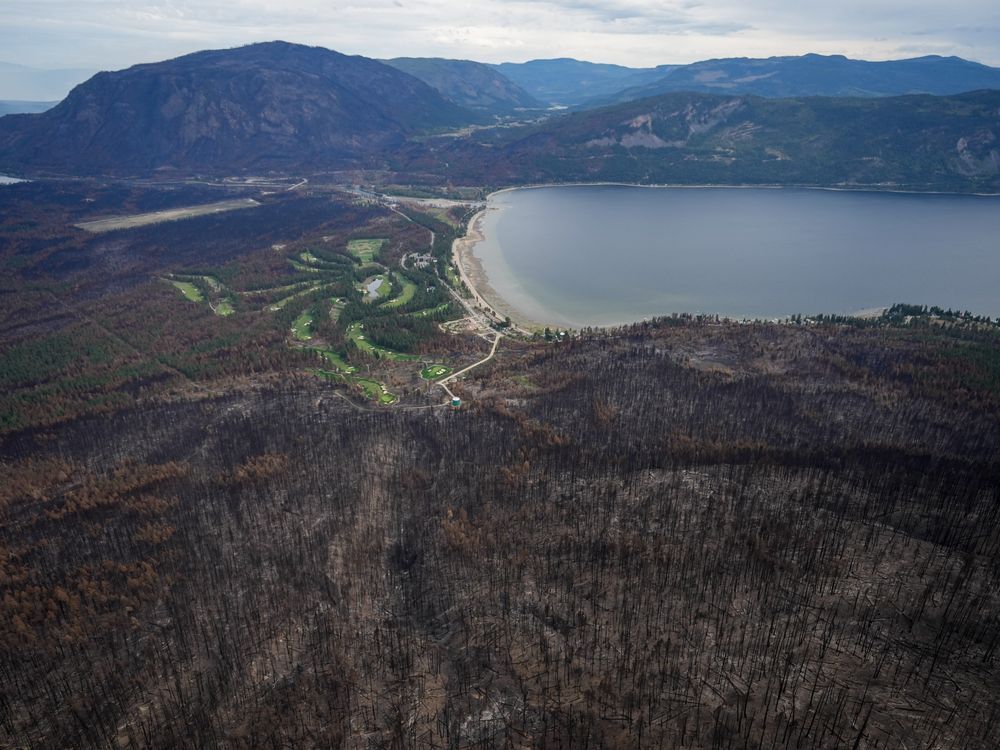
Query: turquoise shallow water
(604, 255)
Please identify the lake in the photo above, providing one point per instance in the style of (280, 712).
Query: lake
(604, 255)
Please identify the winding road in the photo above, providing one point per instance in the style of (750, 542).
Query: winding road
(493, 350)
(475, 314)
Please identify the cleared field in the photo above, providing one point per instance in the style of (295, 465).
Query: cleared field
(113, 223)
(365, 250)
(189, 290)
(302, 327)
(409, 289)
(433, 372)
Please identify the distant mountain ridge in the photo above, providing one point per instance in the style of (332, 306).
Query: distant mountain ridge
(24, 83)
(18, 107)
(292, 109)
(581, 84)
(568, 82)
(817, 75)
(263, 105)
(468, 84)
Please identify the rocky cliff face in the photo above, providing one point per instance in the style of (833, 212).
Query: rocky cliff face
(911, 142)
(264, 105)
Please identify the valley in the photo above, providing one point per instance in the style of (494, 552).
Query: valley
(281, 465)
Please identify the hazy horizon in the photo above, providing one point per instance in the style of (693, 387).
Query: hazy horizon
(53, 83)
(595, 61)
(113, 34)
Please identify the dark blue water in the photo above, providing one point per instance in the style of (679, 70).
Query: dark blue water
(602, 255)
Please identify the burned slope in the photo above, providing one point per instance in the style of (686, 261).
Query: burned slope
(704, 536)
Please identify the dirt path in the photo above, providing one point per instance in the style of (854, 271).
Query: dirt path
(493, 350)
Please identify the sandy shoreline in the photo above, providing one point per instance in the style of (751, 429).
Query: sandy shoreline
(765, 186)
(473, 275)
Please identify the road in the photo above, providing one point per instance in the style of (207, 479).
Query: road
(493, 350)
(475, 313)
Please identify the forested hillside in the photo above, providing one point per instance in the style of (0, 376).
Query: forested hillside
(912, 142)
(288, 109)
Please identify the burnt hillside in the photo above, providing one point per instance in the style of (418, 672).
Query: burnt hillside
(707, 536)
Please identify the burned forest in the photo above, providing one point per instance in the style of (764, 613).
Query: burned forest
(680, 534)
(314, 435)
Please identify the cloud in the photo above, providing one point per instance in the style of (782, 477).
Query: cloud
(116, 33)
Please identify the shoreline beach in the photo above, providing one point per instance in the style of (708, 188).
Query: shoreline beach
(474, 276)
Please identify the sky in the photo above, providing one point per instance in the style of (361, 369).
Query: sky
(113, 34)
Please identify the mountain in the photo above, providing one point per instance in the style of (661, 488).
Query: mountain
(818, 75)
(919, 142)
(259, 106)
(23, 83)
(569, 82)
(15, 107)
(290, 108)
(468, 84)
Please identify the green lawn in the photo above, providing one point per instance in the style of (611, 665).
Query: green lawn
(433, 372)
(337, 308)
(365, 250)
(224, 308)
(189, 290)
(213, 283)
(355, 332)
(286, 288)
(409, 289)
(210, 281)
(302, 327)
(336, 360)
(302, 266)
(371, 388)
(285, 300)
(376, 391)
(431, 310)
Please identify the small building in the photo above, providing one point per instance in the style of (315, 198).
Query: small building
(456, 401)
